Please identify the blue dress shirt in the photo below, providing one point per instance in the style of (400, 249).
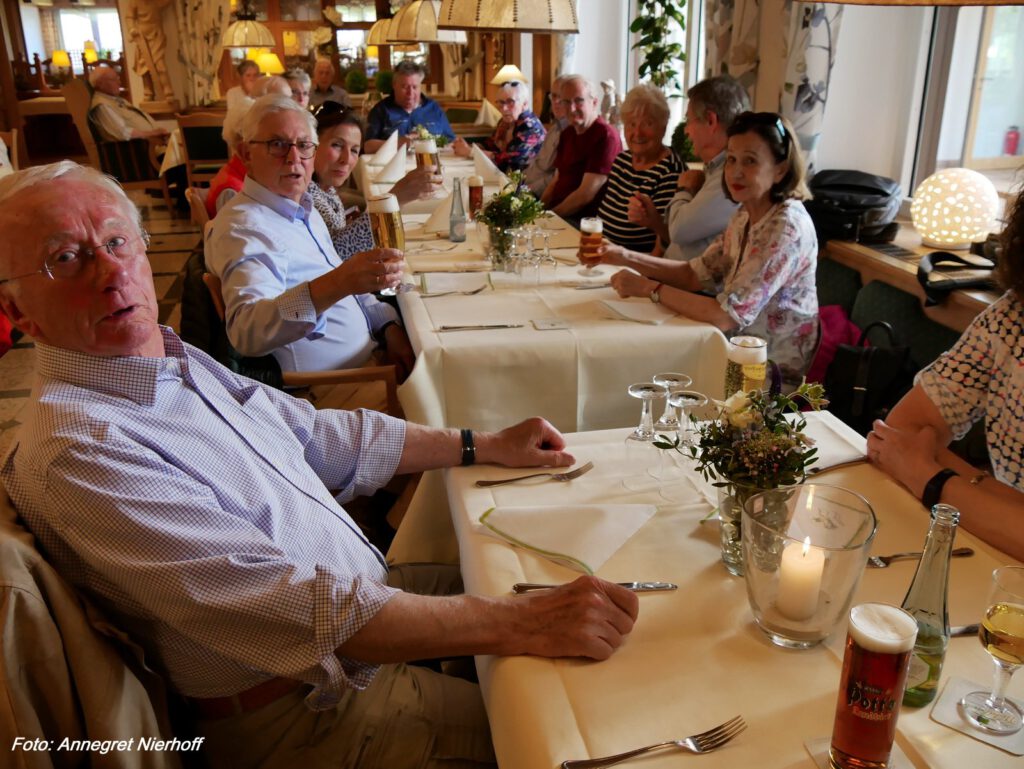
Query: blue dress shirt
(387, 117)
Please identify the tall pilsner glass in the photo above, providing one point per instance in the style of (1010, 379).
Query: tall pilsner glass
(591, 234)
(747, 364)
(426, 154)
(878, 647)
(386, 226)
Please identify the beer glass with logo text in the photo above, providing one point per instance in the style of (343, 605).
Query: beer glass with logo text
(878, 647)
(591, 235)
(386, 226)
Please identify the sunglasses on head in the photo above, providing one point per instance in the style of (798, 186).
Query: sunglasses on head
(764, 118)
(329, 109)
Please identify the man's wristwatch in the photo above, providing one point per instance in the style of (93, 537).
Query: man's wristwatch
(933, 489)
(655, 295)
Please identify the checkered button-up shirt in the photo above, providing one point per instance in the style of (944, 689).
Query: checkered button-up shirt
(193, 504)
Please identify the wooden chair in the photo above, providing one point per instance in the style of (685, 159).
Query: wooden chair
(10, 138)
(196, 198)
(205, 149)
(134, 163)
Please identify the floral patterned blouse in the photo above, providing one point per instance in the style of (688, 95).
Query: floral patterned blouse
(982, 377)
(348, 238)
(764, 278)
(524, 144)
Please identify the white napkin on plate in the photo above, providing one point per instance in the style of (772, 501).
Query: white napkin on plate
(485, 168)
(639, 310)
(393, 171)
(833, 448)
(581, 537)
(386, 151)
(488, 114)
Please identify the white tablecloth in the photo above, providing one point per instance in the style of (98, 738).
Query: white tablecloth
(695, 657)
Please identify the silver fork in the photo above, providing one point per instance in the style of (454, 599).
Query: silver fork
(881, 561)
(550, 476)
(704, 742)
(449, 293)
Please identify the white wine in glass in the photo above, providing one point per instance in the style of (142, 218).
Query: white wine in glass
(1002, 635)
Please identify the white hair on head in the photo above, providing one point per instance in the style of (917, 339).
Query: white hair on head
(269, 105)
(298, 76)
(591, 90)
(271, 84)
(232, 130)
(648, 100)
(518, 91)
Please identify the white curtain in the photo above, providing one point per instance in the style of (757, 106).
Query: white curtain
(201, 24)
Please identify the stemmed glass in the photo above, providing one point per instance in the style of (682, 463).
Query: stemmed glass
(1002, 635)
(669, 421)
(641, 440)
(685, 401)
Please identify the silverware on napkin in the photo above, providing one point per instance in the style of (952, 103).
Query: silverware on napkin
(881, 561)
(636, 587)
(480, 327)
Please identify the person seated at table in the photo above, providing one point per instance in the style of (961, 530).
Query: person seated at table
(228, 180)
(298, 80)
(585, 154)
(405, 109)
(541, 170)
(340, 135)
(699, 211)
(324, 87)
(646, 171)
(117, 119)
(241, 96)
(762, 268)
(194, 507)
(980, 378)
(518, 136)
(285, 290)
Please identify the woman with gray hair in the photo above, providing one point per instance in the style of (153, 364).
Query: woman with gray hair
(300, 83)
(517, 138)
(647, 166)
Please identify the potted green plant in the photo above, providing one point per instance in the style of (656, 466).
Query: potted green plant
(660, 60)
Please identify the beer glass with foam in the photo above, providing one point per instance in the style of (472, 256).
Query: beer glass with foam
(386, 226)
(591, 235)
(747, 364)
(426, 154)
(878, 647)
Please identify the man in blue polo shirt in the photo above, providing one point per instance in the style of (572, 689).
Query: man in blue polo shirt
(405, 109)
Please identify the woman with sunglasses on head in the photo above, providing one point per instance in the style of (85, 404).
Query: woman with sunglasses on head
(761, 270)
(340, 133)
(518, 136)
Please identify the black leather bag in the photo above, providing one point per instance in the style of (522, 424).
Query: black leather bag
(854, 205)
(862, 384)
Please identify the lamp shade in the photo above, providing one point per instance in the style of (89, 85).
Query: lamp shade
(90, 55)
(60, 59)
(247, 33)
(269, 63)
(378, 34)
(954, 208)
(417, 23)
(541, 16)
(510, 73)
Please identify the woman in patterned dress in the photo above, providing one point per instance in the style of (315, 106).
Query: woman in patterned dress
(760, 272)
(518, 136)
(980, 378)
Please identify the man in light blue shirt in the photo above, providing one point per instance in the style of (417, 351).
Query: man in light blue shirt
(286, 291)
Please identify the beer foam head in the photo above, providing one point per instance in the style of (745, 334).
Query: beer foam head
(747, 350)
(591, 224)
(382, 204)
(879, 627)
(426, 146)
(475, 181)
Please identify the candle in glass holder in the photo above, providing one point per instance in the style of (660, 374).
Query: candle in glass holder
(800, 580)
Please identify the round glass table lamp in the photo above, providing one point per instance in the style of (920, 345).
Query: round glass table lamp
(954, 208)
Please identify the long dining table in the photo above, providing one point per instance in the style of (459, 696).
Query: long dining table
(695, 657)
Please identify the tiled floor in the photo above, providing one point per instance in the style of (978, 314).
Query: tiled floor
(172, 241)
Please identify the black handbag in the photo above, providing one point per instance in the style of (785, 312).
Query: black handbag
(854, 205)
(862, 384)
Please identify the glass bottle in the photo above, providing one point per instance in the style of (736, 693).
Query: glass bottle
(926, 602)
(457, 221)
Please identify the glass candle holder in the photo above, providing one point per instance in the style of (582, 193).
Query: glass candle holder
(803, 555)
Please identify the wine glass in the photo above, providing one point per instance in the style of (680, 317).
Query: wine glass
(591, 229)
(640, 442)
(685, 401)
(1002, 635)
(673, 382)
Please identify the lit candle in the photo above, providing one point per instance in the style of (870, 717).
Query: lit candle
(800, 580)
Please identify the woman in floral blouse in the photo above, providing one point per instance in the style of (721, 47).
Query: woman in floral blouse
(761, 270)
(517, 138)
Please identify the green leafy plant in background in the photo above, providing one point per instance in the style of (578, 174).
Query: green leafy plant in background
(355, 81)
(661, 60)
(384, 80)
(682, 145)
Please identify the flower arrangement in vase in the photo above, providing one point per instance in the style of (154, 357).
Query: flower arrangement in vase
(512, 207)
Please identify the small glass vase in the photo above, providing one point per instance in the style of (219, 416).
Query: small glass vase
(731, 499)
(501, 247)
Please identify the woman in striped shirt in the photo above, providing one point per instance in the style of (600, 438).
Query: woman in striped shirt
(647, 166)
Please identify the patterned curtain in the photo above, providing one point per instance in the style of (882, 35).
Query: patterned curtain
(782, 52)
(201, 24)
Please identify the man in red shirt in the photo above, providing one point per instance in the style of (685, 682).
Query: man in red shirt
(585, 154)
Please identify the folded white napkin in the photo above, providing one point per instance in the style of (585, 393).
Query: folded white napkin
(833, 447)
(364, 177)
(639, 310)
(439, 219)
(488, 114)
(436, 282)
(485, 168)
(581, 537)
(386, 152)
(393, 171)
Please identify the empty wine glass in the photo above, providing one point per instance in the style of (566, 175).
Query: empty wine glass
(685, 401)
(640, 442)
(647, 392)
(673, 382)
(1002, 635)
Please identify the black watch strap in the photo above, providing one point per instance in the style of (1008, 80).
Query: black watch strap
(468, 448)
(933, 489)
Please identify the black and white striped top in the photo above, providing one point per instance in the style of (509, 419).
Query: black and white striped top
(659, 182)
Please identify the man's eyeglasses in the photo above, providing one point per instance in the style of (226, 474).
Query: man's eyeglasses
(579, 101)
(279, 148)
(67, 263)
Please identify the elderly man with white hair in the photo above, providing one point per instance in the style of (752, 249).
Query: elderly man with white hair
(286, 290)
(324, 88)
(193, 506)
(518, 136)
(117, 119)
(587, 149)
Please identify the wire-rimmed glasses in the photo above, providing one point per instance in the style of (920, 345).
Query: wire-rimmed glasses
(69, 262)
(279, 148)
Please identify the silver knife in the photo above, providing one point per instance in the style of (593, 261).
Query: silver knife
(963, 630)
(481, 327)
(591, 286)
(636, 587)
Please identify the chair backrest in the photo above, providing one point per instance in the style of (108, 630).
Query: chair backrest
(205, 148)
(78, 97)
(10, 138)
(196, 198)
